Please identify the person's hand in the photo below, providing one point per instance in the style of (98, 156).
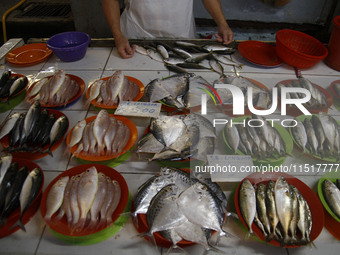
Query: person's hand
(123, 47)
(224, 35)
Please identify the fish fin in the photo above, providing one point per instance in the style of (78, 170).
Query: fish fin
(214, 249)
(174, 246)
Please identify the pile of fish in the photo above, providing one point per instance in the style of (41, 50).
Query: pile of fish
(261, 97)
(18, 189)
(318, 99)
(331, 193)
(179, 206)
(320, 134)
(261, 142)
(278, 209)
(33, 130)
(178, 137)
(104, 135)
(181, 91)
(10, 86)
(113, 90)
(87, 200)
(56, 90)
(188, 55)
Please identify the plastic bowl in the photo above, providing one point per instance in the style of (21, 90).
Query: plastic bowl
(299, 49)
(69, 46)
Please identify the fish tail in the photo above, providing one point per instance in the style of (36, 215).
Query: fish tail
(19, 224)
(212, 248)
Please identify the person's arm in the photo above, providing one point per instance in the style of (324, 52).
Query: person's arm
(111, 10)
(225, 34)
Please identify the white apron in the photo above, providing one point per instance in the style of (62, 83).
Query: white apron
(158, 18)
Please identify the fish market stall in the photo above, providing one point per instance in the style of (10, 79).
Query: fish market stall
(177, 116)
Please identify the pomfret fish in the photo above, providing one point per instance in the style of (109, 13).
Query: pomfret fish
(201, 206)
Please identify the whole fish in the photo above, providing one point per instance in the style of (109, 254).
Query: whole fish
(44, 136)
(18, 85)
(146, 192)
(37, 87)
(36, 131)
(98, 200)
(101, 124)
(203, 202)
(108, 200)
(12, 197)
(300, 134)
(67, 200)
(247, 200)
(155, 55)
(16, 132)
(218, 48)
(141, 50)
(58, 129)
(115, 202)
(74, 205)
(5, 162)
(31, 118)
(163, 51)
(216, 66)
(30, 190)
(312, 139)
(232, 136)
(55, 197)
(77, 133)
(94, 91)
(295, 216)
(6, 183)
(271, 209)
(163, 212)
(9, 124)
(284, 206)
(332, 196)
(319, 132)
(56, 82)
(87, 189)
(261, 206)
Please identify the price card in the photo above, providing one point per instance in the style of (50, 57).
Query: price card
(228, 168)
(139, 109)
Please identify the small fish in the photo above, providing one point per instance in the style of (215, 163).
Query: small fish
(271, 209)
(332, 196)
(77, 133)
(101, 124)
(30, 190)
(163, 51)
(300, 134)
(261, 206)
(232, 136)
(58, 129)
(218, 48)
(182, 53)
(55, 197)
(86, 192)
(141, 50)
(284, 206)
(5, 162)
(247, 200)
(9, 124)
(18, 85)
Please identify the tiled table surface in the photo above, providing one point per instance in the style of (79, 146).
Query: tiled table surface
(101, 62)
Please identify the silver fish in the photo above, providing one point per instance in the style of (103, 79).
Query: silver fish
(247, 200)
(332, 196)
(261, 206)
(163, 51)
(163, 212)
(312, 139)
(9, 124)
(300, 134)
(29, 191)
(284, 206)
(202, 202)
(232, 136)
(101, 125)
(5, 162)
(271, 209)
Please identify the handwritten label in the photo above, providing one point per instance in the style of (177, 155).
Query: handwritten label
(229, 168)
(139, 109)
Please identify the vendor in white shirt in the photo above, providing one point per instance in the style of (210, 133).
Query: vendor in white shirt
(159, 19)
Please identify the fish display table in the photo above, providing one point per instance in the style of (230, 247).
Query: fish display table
(103, 61)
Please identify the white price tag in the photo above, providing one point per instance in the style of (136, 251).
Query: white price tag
(139, 109)
(229, 168)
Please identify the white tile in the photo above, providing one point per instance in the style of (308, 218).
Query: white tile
(94, 59)
(136, 62)
(320, 69)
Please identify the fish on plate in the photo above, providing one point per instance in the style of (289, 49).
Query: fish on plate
(58, 89)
